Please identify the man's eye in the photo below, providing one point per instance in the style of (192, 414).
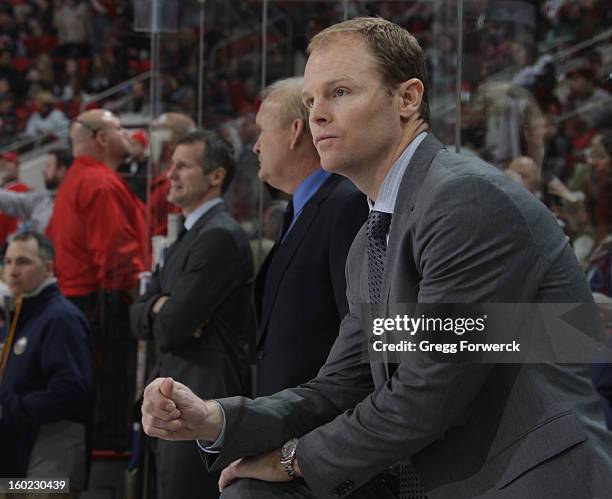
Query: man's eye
(339, 92)
(308, 103)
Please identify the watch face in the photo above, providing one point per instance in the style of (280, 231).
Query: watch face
(288, 448)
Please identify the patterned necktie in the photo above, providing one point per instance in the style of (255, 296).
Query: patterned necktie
(376, 230)
(378, 223)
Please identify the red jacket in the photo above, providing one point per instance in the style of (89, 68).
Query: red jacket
(159, 206)
(98, 230)
(8, 224)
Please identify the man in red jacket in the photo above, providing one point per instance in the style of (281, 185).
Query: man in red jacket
(9, 173)
(98, 230)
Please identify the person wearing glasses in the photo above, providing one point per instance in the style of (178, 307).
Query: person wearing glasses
(98, 230)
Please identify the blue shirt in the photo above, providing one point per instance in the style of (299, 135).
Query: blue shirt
(308, 188)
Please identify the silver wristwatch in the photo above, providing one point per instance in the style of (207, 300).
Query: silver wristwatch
(287, 457)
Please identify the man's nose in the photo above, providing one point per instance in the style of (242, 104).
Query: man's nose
(171, 173)
(319, 112)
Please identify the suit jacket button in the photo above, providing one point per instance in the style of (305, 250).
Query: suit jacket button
(259, 354)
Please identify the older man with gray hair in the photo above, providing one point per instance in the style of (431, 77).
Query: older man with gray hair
(305, 269)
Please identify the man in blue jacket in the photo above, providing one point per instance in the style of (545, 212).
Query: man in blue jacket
(45, 371)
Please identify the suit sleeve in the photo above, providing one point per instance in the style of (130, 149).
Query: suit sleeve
(463, 259)
(602, 377)
(263, 424)
(349, 216)
(67, 366)
(112, 239)
(140, 310)
(213, 270)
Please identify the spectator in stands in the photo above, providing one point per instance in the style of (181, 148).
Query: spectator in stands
(9, 180)
(7, 70)
(74, 28)
(46, 389)
(166, 131)
(8, 120)
(72, 84)
(34, 208)
(102, 74)
(98, 229)
(585, 94)
(134, 172)
(41, 75)
(599, 187)
(197, 307)
(243, 195)
(527, 172)
(47, 120)
(5, 88)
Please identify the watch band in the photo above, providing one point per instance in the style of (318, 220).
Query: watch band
(287, 457)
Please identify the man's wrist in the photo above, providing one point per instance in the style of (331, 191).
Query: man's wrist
(213, 423)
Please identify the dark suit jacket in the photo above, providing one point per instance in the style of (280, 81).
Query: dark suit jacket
(208, 279)
(300, 290)
(461, 232)
(602, 379)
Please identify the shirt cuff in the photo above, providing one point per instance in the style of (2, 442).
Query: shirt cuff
(214, 447)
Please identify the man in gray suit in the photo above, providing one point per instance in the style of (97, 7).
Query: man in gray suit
(442, 229)
(197, 305)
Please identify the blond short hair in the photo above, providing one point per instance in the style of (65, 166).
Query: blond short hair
(398, 55)
(288, 92)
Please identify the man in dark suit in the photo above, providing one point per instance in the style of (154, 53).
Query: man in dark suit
(442, 229)
(303, 275)
(197, 306)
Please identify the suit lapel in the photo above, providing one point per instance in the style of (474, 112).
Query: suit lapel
(404, 204)
(178, 249)
(282, 255)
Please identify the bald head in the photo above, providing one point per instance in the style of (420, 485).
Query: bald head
(167, 130)
(179, 124)
(526, 168)
(98, 133)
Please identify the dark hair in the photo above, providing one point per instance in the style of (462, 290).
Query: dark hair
(63, 157)
(46, 252)
(217, 153)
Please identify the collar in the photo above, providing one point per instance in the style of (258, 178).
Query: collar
(387, 194)
(309, 186)
(195, 215)
(49, 281)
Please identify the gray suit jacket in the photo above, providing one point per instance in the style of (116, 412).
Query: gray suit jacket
(461, 233)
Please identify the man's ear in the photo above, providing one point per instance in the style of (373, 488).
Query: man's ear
(217, 176)
(100, 137)
(410, 93)
(61, 171)
(49, 268)
(297, 131)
